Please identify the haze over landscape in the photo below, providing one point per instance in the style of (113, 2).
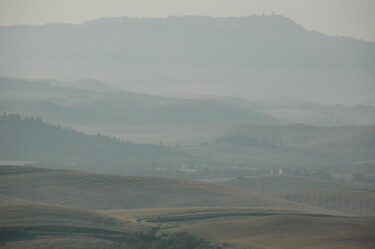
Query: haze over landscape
(176, 124)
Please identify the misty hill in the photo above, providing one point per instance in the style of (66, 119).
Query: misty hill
(295, 110)
(239, 56)
(95, 104)
(99, 106)
(85, 84)
(292, 146)
(344, 138)
(190, 40)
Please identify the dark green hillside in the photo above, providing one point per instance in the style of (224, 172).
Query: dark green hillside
(31, 139)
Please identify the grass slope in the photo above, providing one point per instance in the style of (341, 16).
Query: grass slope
(198, 214)
(286, 232)
(60, 218)
(4, 199)
(52, 226)
(99, 191)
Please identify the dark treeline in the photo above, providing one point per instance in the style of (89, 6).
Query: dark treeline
(31, 139)
(180, 240)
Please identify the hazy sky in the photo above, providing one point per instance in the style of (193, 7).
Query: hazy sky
(354, 18)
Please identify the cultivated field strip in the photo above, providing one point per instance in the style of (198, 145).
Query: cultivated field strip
(199, 214)
(285, 232)
(293, 182)
(76, 242)
(98, 191)
(43, 216)
(7, 200)
(355, 202)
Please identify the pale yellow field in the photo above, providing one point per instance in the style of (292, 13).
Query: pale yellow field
(286, 232)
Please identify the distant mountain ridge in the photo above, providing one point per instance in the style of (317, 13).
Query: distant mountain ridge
(260, 41)
(195, 54)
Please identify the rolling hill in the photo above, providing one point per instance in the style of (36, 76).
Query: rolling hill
(261, 156)
(292, 182)
(296, 110)
(99, 191)
(78, 105)
(282, 232)
(39, 225)
(40, 216)
(307, 136)
(231, 218)
(243, 150)
(260, 228)
(356, 202)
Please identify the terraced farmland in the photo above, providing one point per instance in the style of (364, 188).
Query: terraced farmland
(292, 182)
(355, 202)
(42, 215)
(286, 232)
(116, 205)
(38, 226)
(97, 191)
(199, 214)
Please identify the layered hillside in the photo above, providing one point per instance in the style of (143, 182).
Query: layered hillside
(99, 191)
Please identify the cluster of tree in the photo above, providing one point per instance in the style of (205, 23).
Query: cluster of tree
(180, 240)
